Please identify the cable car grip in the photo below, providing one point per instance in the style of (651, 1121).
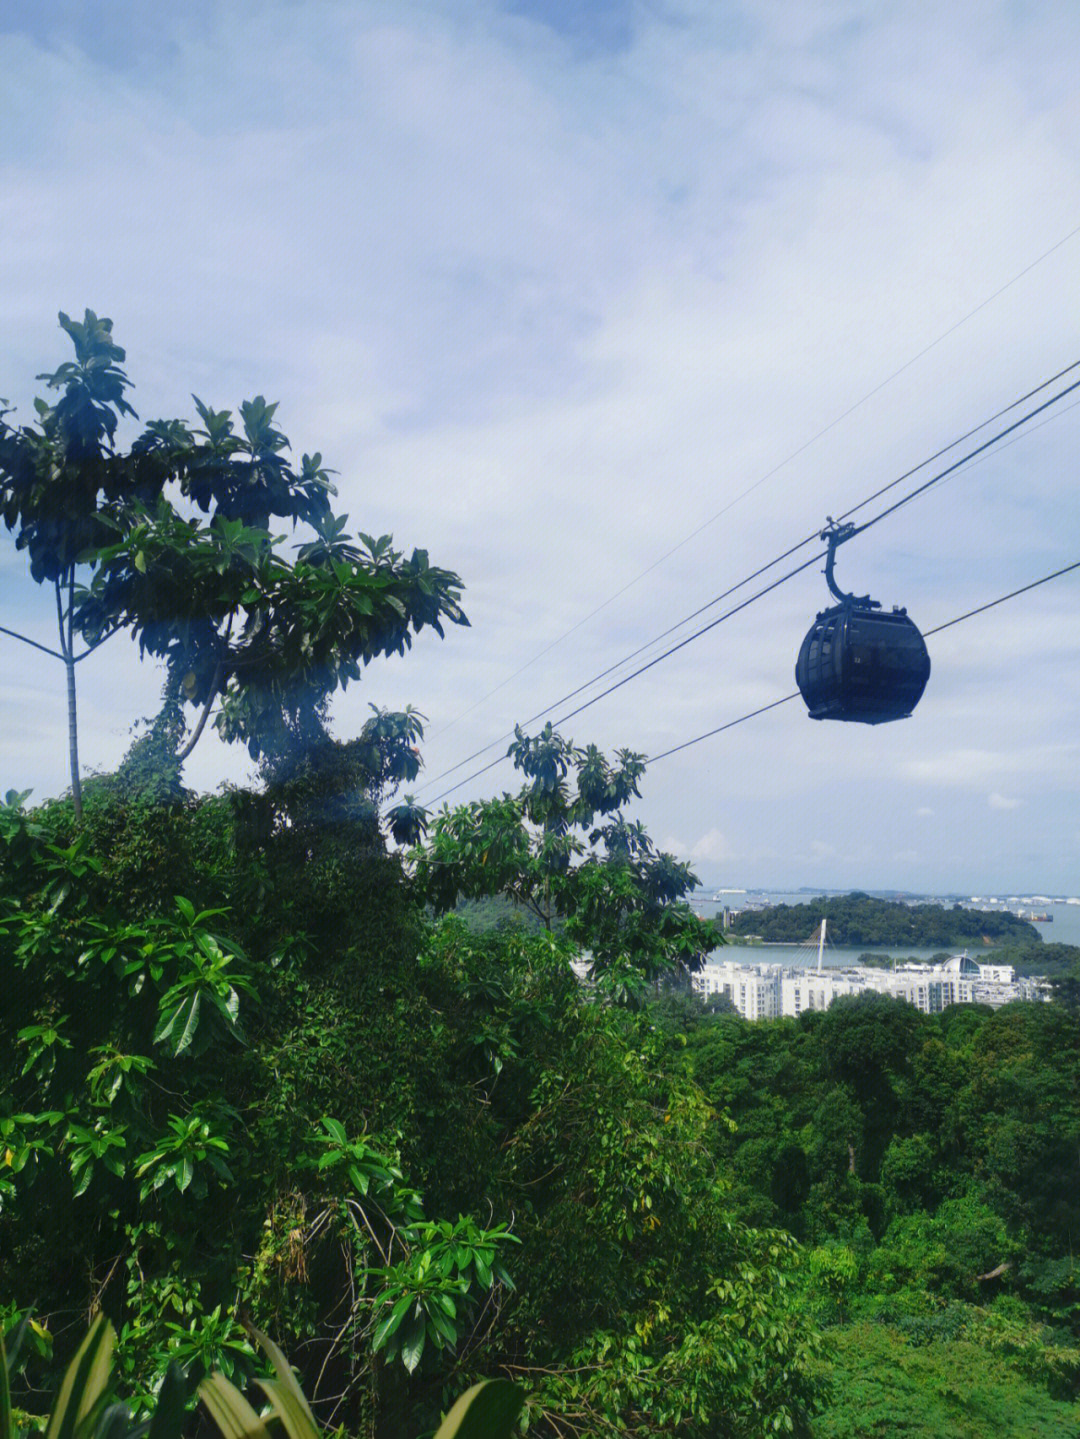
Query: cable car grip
(835, 534)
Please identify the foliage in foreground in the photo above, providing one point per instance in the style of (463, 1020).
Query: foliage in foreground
(418, 1155)
(83, 1411)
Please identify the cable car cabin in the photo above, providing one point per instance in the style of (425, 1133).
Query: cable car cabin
(862, 663)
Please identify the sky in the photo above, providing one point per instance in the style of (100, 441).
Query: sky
(605, 305)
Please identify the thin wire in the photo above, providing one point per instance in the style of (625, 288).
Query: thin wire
(993, 440)
(751, 488)
(981, 609)
(785, 699)
(1001, 600)
(686, 619)
(720, 728)
(704, 629)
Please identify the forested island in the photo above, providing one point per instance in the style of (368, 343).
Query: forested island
(257, 1077)
(856, 918)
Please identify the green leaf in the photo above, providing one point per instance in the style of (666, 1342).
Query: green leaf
(171, 1407)
(390, 1325)
(287, 1394)
(358, 1177)
(191, 1024)
(6, 1431)
(486, 1411)
(82, 1394)
(412, 1346)
(442, 1325)
(230, 1411)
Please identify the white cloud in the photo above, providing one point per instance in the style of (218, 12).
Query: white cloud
(1001, 801)
(713, 847)
(550, 309)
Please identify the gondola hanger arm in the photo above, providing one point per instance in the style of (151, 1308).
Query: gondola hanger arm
(834, 535)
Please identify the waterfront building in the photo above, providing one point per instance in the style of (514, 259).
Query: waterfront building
(767, 991)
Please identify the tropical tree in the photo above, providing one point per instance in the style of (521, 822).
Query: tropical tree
(563, 849)
(176, 537)
(58, 480)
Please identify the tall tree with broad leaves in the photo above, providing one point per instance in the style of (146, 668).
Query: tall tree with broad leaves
(563, 848)
(58, 478)
(177, 536)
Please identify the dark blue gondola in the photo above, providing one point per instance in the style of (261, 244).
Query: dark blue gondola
(860, 662)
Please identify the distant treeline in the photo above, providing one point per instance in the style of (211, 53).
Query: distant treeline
(858, 919)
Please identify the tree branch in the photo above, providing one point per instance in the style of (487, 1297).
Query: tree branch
(215, 684)
(27, 641)
(89, 650)
(64, 654)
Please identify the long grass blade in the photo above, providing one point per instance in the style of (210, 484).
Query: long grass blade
(83, 1391)
(486, 1411)
(288, 1399)
(5, 1395)
(230, 1411)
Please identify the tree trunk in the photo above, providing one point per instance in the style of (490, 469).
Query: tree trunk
(73, 740)
(66, 628)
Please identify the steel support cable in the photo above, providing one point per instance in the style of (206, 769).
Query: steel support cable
(619, 683)
(889, 510)
(784, 699)
(767, 476)
(913, 494)
(993, 440)
(980, 609)
(694, 614)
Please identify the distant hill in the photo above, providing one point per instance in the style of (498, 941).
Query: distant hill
(856, 919)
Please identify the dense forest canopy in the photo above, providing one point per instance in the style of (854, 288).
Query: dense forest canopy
(254, 1067)
(856, 918)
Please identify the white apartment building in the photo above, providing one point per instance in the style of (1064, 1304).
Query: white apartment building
(766, 991)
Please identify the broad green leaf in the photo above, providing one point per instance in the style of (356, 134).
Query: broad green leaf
(171, 1405)
(190, 1025)
(83, 1390)
(412, 1346)
(439, 1322)
(230, 1411)
(486, 1411)
(288, 1390)
(390, 1325)
(6, 1431)
(358, 1177)
(294, 1420)
(115, 1423)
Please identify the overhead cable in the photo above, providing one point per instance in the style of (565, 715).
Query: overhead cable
(980, 609)
(784, 699)
(786, 554)
(757, 483)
